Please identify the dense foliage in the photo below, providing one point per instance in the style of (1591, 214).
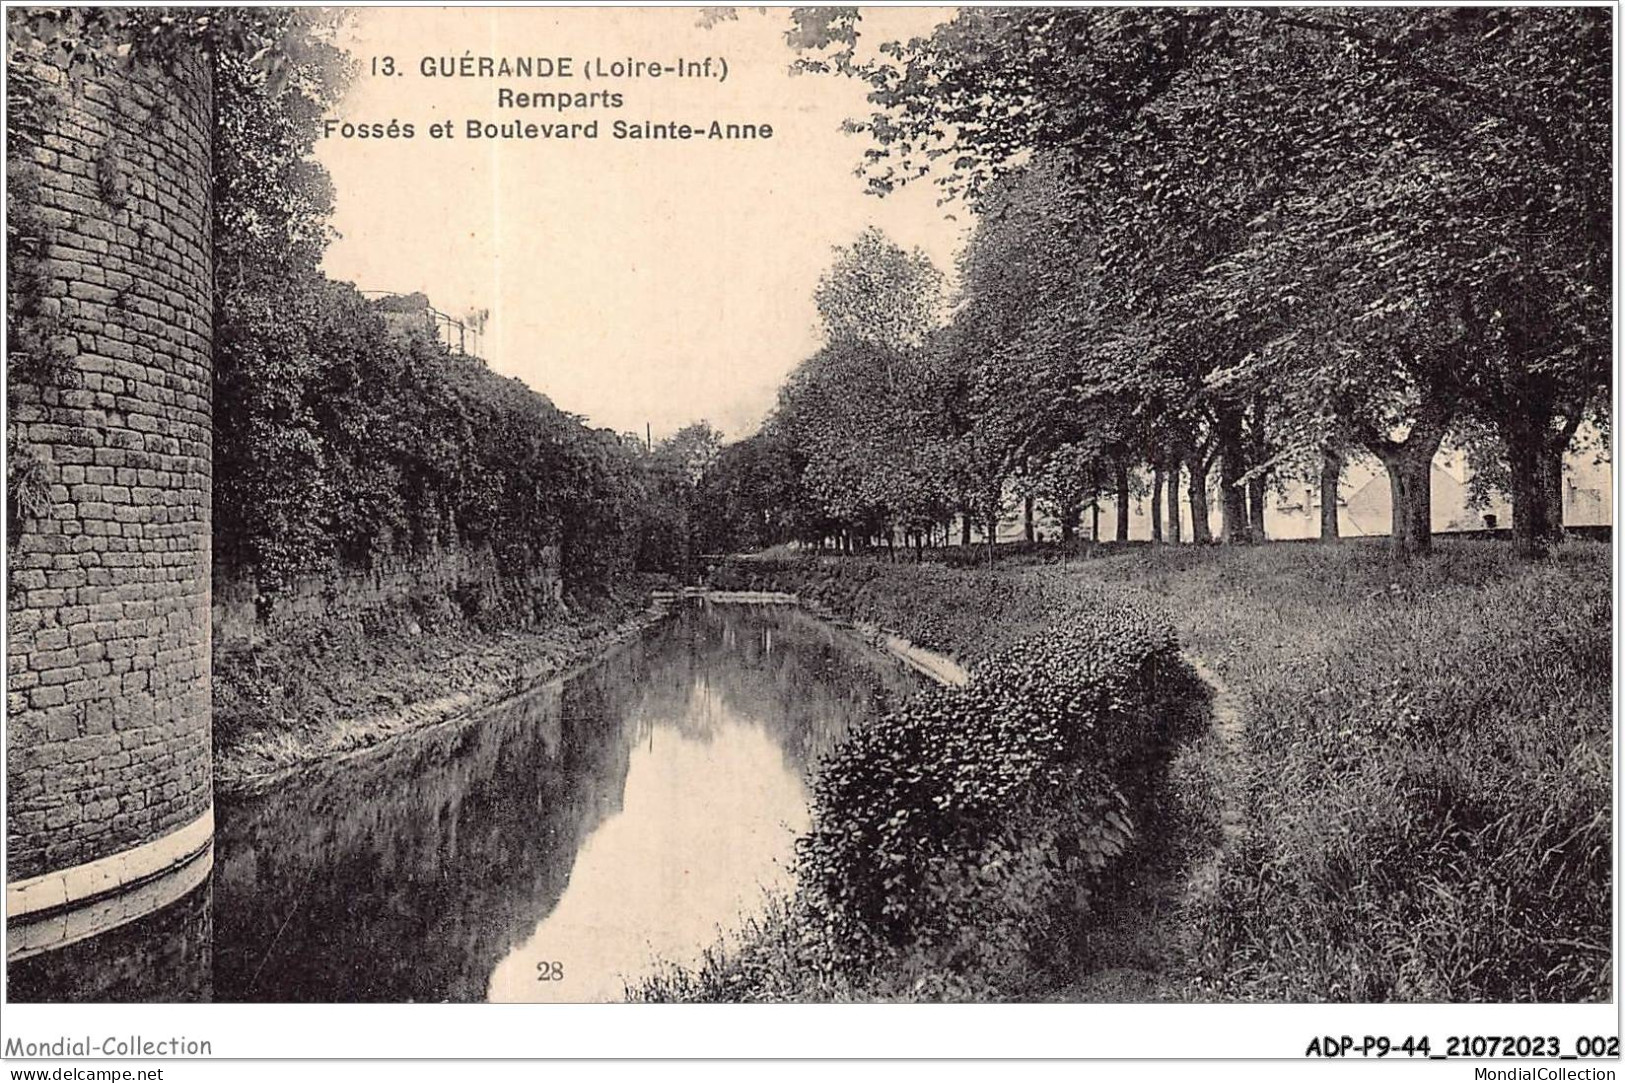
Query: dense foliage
(988, 806)
(1256, 240)
(342, 438)
(752, 498)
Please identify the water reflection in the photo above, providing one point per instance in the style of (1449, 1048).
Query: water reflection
(707, 823)
(633, 810)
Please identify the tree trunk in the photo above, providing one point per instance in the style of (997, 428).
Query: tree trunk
(1256, 496)
(1258, 485)
(1156, 504)
(992, 534)
(1121, 469)
(1552, 472)
(1536, 470)
(1027, 517)
(1094, 524)
(1201, 525)
(964, 527)
(1410, 480)
(1174, 526)
(1331, 474)
(1541, 448)
(1410, 477)
(1232, 468)
(1069, 523)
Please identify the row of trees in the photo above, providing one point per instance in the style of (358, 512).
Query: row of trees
(1244, 241)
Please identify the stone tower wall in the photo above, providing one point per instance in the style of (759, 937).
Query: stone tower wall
(107, 621)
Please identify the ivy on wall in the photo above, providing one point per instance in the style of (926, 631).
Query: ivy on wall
(35, 356)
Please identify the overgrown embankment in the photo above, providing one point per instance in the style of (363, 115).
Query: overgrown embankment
(965, 614)
(325, 688)
(396, 527)
(964, 845)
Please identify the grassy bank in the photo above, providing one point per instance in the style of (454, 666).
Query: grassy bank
(1410, 802)
(298, 697)
(1425, 770)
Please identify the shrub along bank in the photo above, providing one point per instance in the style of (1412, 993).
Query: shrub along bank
(958, 843)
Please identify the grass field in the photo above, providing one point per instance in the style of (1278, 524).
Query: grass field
(1408, 799)
(1423, 769)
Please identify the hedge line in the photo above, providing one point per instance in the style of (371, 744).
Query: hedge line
(342, 438)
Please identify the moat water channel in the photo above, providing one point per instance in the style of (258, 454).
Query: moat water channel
(551, 848)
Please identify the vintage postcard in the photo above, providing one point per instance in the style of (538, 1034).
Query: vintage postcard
(1096, 508)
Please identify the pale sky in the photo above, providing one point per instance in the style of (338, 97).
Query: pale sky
(631, 282)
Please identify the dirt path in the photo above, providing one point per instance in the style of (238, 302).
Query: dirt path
(1230, 727)
(1139, 950)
